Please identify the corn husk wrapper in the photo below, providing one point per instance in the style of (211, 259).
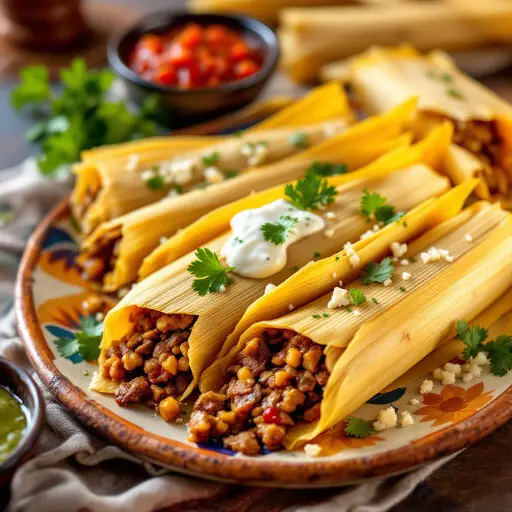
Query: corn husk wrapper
(497, 319)
(347, 149)
(310, 39)
(141, 231)
(119, 182)
(385, 77)
(170, 289)
(319, 278)
(370, 351)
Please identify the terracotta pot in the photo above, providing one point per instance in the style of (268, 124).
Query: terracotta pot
(42, 24)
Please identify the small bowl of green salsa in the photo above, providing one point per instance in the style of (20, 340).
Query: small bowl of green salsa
(21, 419)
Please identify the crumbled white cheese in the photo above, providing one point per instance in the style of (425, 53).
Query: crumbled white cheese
(426, 387)
(313, 450)
(376, 227)
(466, 377)
(480, 359)
(356, 312)
(181, 170)
(468, 237)
(398, 249)
(454, 368)
(269, 288)
(476, 370)
(406, 276)
(387, 282)
(291, 307)
(366, 234)
(354, 260)
(434, 254)
(173, 193)
(388, 417)
(378, 426)
(132, 162)
(163, 240)
(222, 288)
(406, 420)
(438, 374)
(448, 378)
(414, 401)
(213, 175)
(329, 233)
(404, 262)
(147, 174)
(338, 298)
(255, 153)
(330, 215)
(352, 256)
(334, 275)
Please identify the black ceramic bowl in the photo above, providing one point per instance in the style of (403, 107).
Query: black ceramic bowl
(21, 384)
(184, 107)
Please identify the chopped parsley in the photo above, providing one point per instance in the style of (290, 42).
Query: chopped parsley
(412, 259)
(211, 159)
(277, 232)
(316, 255)
(310, 193)
(373, 204)
(85, 342)
(325, 315)
(239, 240)
(337, 258)
(300, 140)
(348, 310)
(374, 300)
(402, 289)
(454, 93)
(238, 133)
(358, 297)
(315, 316)
(498, 351)
(156, 182)
(231, 174)
(378, 272)
(211, 275)
(327, 169)
(357, 427)
(294, 268)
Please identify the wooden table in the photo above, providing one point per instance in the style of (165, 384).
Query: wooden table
(480, 478)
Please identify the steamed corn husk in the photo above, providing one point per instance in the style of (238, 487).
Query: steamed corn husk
(117, 180)
(319, 278)
(368, 352)
(310, 39)
(383, 77)
(405, 189)
(348, 147)
(141, 231)
(497, 319)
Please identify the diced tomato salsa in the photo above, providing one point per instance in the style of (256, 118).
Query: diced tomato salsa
(195, 56)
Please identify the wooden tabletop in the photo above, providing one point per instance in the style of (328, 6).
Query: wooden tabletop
(480, 478)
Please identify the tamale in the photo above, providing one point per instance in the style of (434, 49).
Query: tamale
(117, 180)
(113, 254)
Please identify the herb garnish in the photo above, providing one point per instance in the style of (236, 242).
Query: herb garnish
(327, 169)
(212, 276)
(373, 204)
(498, 351)
(277, 232)
(358, 297)
(85, 342)
(454, 93)
(374, 300)
(316, 255)
(311, 192)
(211, 159)
(357, 427)
(156, 182)
(299, 140)
(378, 272)
(80, 117)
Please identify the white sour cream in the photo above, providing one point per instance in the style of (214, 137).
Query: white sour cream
(248, 251)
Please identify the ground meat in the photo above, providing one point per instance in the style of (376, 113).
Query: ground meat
(199, 426)
(237, 388)
(210, 402)
(245, 442)
(243, 404)
(305, 381)
(271, 435)
(134, 391)
(255, 363)
(155, 372)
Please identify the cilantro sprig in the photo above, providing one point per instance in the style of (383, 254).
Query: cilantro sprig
(277, 232)
(327, 169)
(311, 192)
(498, 351)
(358, 297)
(85, 342)
(373, 204)
(357, 427)
(79, 117)
(378, 272)
(211, 274)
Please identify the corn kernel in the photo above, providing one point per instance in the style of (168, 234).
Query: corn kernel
(227, 416)
(311, 359)
(282, 378)
(170, 365)
(176, 350)
(183, 364)
(244, 374)
(184, 348)
(293, 357)
(251, 348)
(169, 408)
(132, 360)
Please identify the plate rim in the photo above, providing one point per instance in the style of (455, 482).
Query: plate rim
(196, 461)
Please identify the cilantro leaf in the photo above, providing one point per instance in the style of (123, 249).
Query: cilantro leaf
(327, 169)
(211, 159)
(85, 342)
(357, 427)
(311, 192)
(358, 297)
(387, 214)
(209, 271)
(370, 202)
(299, 140)
(474, 338)
(277, 232)
(378, 272)
(156, 182)
(462, 329)
(500, 355)
(34, 88)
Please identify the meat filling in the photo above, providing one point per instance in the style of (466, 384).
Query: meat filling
(151, 361)
(275, 381)
(97, 262)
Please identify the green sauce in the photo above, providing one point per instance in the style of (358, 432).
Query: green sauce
(12, 423)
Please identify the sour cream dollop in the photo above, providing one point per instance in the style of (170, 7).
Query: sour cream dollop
(249, 252)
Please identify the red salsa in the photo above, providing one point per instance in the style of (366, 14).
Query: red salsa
(195, 56)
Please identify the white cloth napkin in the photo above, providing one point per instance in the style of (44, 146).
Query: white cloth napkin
(74, 472)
